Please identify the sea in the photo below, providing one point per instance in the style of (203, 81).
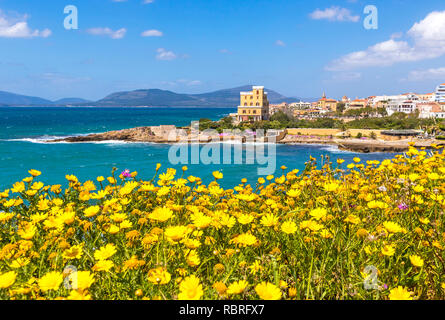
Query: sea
(24, 130)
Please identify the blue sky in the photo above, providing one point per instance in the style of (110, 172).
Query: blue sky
(298, 48)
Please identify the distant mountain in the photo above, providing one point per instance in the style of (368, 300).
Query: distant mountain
(70, 101)
(7, 98)
(165, 98)
(148, 97)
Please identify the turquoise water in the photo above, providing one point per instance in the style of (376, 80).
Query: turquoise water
(22, 131)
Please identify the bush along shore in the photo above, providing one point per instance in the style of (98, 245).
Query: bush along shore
(371, 230)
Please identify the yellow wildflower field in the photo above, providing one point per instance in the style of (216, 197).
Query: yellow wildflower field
(371, 230)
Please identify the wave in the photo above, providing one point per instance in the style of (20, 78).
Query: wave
(334, 149)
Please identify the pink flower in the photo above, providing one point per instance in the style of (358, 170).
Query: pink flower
(126, 173)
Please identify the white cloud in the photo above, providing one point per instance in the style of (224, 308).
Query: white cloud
(18, 28)
(346, 76)
(334, 13)
(118, 34)
(165, 54)
(427, 38)
(428, 74)
(147, 1)
(152, 33)
(280, 43)
(189, 82)
(57, 78)
(186, 82)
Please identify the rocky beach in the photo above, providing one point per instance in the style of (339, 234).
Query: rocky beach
(172, 134)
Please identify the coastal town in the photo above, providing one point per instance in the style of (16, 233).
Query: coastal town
(255, 108)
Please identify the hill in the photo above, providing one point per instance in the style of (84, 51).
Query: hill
(12, 99)
(165, 98)
(147, 97)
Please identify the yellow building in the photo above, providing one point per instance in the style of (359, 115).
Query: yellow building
(254, 105)
(327, 104)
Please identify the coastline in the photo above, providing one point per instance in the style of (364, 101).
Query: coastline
(169, 134)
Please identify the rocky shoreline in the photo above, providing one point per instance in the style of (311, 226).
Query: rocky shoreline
(171, 134)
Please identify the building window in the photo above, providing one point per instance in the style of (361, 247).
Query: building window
(244, 111)
(254, 111)
(245, 103)
(258, 104)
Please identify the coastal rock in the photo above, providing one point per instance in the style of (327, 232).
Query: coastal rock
(161, 134)
(369, 146)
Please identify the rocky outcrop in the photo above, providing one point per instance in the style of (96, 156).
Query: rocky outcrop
(383, 146)
(371, 147)
(159, 134)
(171, 134)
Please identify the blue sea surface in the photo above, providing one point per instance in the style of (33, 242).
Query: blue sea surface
(23, 130)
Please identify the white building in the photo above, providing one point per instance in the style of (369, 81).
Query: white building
(300, 105)
(440, 93)
(405, 106)
(431, 110)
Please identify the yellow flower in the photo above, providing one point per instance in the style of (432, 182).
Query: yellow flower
(201, 221)
(289, 227)
(352, 219)
(78, 295)
(91, 211)
(18, 187)
(159, 276)
(388, 250)
(255, 267)
(331, 187)
(81, 280)
(245, 218)
(50, 281)
(293, 193)
(34, 173)
(105, 252)
(190, 289)
(7, 279)
(269, 220)
(416, 261)
(268, 291)
(392, 227)
(245, 239)
(20, 262)
(220, 287)
(193, 258)
(103, 265)
(377, 204)
(319, 213)
(433, 176)
(217, 175)
(237, 287)
(27, 232)
(175, 233)
(75, 252)
(400, 293)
